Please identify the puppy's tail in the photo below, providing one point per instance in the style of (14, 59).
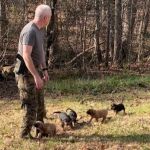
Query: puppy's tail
(69, 109)
(57, 112)
(122, 100)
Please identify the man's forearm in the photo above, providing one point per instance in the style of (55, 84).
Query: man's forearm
(29, 63)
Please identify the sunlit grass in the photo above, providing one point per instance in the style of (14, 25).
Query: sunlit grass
(96, 86)
(128, 131)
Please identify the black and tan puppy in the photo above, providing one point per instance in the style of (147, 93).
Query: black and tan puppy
(44, 129)
(97, 114)
(73, 115)
(118, 107)
(64, 119)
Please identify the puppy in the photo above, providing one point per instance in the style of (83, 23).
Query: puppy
(64, 119)
(73, 115)
(44, 129)
(118, 107)
(97, 114)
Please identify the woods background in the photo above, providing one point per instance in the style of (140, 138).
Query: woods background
(84, 34)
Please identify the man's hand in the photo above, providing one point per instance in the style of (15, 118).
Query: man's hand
(45, 76)
(38, 82)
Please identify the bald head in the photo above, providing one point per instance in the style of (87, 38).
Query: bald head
(42, 11)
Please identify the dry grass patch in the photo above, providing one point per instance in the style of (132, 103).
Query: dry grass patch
(129, 131)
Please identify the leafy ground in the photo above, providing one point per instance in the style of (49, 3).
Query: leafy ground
(122, 132)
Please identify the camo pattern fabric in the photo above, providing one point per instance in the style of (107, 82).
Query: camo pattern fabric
(32, 101)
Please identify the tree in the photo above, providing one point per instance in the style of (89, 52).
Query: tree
(3, 22)
(146, 16)
(51, 34)
(118, 34)
(108, 34)
(97, 32)
(143, 28)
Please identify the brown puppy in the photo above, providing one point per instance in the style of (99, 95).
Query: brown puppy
(97, 114)
(44, 129)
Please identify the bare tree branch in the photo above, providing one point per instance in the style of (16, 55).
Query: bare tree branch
(80, 54)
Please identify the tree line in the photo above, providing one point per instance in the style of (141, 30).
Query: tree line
(83, 33)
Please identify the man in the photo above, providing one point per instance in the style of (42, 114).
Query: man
(30, 70)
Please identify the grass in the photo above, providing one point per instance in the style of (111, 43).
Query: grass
(96, 86)
(129, 131)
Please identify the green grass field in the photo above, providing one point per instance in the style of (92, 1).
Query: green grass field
(121, 132)
(108, 84)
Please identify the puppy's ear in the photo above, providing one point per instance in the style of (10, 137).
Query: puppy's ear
(88, 111)
(91, 112)
(38, 124)
(113, 106)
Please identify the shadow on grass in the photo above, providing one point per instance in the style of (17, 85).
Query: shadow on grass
(138, 138)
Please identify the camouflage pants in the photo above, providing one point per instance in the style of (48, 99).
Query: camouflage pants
(32, 99)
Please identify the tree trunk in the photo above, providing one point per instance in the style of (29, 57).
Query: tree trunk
(112, 23)
(118, 34)
(97, 34)
(3, 23)
(108, 34)
(51, 34)
(84, 33)
(146, 17)
(127, 31)
(142, 29)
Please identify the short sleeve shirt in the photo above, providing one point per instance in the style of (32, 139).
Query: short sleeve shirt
(31, 35)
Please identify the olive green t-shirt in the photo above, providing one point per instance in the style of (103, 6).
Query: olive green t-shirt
(31, 35)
